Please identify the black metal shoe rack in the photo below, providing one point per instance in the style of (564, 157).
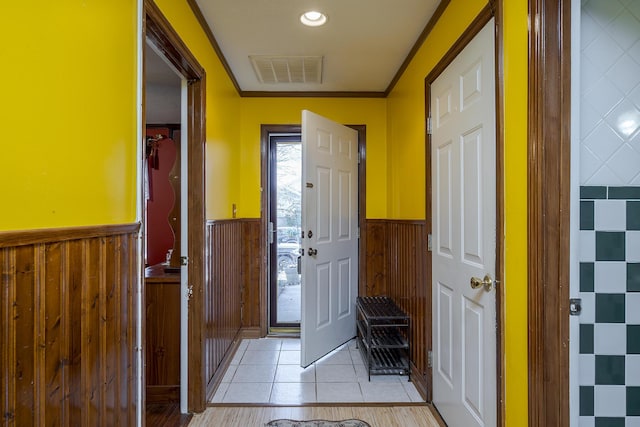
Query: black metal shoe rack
(383, 336)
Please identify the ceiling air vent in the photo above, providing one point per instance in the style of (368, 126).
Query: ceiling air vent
(287, 69)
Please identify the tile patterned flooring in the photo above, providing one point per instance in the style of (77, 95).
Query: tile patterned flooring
(267, 371)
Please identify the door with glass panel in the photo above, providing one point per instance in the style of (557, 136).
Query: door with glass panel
(285, 207)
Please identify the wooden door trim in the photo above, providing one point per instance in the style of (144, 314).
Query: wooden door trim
(265, 130)
(159, 31)
(549, 152)
(491, 10)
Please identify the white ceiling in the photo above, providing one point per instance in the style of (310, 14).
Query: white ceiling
(157, 71)
(363, 44)
(162, 104)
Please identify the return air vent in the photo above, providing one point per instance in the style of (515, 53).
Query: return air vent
(287, 69)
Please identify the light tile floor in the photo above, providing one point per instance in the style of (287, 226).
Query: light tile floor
(268, 370)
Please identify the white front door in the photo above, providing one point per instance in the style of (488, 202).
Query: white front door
(330, 243)
(463, 159)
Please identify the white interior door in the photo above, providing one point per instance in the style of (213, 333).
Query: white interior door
(330, 243)
(463, 178)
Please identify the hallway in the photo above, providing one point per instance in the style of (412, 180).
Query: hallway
(267, 371)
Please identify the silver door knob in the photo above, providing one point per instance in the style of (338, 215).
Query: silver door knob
(486, 282)
(312, 252)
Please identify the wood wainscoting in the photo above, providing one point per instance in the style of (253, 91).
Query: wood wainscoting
(68, 311)
(162, 335)
(232, 290)
(253, 274)
(395, 265)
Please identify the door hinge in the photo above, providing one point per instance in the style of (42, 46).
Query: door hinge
(575, 306)
(358, 233)
(428, 125)
(429, 242)
(429, 359)
(189, 292)
(359, 157)
(271, 231)
(184, 260)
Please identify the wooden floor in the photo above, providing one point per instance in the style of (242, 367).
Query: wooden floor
(376, 416)
(165, 415)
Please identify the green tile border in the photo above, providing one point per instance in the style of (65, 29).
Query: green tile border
(633, 277)
(586, 338)
(587, 209)
(633, 339)
(587, 277)
(610, 370)
(633, 401)
(610, 422)
(593, 192)
(624, 193)
(610, 308)
(633, 214)
(586, 400)
(610, 245)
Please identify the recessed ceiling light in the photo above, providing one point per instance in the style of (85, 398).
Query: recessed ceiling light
(313, 18)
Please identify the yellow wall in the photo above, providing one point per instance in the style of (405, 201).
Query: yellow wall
(406, 178)
(369, 111)
(69, 147)
(406, 122)
(223, 148)
(69, 93)
(68, 90)
(515, 194)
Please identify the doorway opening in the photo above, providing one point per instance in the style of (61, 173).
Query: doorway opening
(160, 36)
(162, 230)
(271, 232)
(285, 222)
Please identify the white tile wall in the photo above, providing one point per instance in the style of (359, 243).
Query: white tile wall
(632, 371)
(610, 401)
(610, 277)
(610, 339)
(610, 92)
(610, 215)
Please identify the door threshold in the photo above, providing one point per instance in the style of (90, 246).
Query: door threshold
(292, 332)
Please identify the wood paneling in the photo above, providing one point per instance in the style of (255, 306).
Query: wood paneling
(395, 266)
(68, 322)
(162, 334)
(222, 291)
(252, 272)
(232, 291)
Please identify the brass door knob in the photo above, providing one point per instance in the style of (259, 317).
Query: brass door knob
(487, 282)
